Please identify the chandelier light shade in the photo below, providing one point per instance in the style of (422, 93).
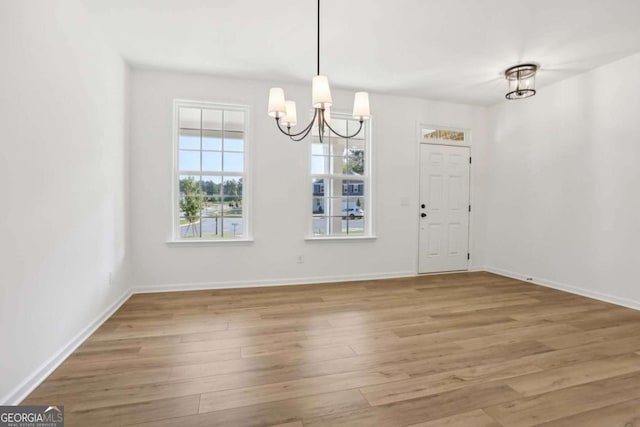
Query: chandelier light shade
(291, 115)
(277, 106)
(320, 92)
(521, 80)
(285, 114)
(361, 106)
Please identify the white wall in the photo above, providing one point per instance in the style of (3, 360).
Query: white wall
(563, 193)
(63, 214)
(280, 202)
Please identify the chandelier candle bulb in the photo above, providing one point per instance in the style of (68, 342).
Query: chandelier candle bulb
(291, 117)
(361, 106)
(277, 107)
(320, 92)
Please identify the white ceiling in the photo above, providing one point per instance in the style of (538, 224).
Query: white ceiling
(452, 50)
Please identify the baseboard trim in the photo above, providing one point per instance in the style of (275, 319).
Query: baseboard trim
(600, 296)
(178, 287)
(19, 393)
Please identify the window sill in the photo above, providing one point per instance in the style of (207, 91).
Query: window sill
(219, 242)
(339, 238)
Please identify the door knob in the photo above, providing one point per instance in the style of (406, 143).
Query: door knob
(423, 214)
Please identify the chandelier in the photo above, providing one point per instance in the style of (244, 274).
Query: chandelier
(284, 111)
(522, 81)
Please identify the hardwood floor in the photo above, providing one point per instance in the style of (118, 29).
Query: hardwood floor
(469, 349)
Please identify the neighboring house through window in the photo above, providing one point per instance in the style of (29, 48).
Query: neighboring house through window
(341, 200)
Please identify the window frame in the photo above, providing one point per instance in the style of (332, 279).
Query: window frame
(369, 190)
(246, 174)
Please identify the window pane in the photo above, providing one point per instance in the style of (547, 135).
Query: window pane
(355, 162)
(210, 207)
(333, 206)
(318, 187)
(339, 165)
(318, 149)
(189, 118)
(233, 141)
(334, 188)
(189, 139)
(353, 127)
(350, 208)
(190, 230)
(448, 135)
(234, 120)
(318, 206)
(233, 162)
(334, 225)
(358, 202)
(232, 228)
(320, 164)
(211, 186)
(353, 226)
(338, 147)
(355, 145)
(190, 206)
(189, 160)
(339, 125)
(211, 161)
(188, 184)
(211, 227)
(212, 140)
(319, 225)
(232, 207)
(232, 188)
(212, 119)
(353, 188)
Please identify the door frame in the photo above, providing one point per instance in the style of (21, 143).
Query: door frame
(466, 144)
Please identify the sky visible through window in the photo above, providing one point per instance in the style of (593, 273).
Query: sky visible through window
(211, 160)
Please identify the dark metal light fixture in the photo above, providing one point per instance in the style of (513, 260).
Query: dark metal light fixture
(285, 111)
(522, 81)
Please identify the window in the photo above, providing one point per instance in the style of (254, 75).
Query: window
(442, 135)
(211, 173)
(340, 171)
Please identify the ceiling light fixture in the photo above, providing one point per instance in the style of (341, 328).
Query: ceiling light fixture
(284, 111)
(522, 81)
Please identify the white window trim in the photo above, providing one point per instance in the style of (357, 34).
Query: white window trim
(247, 205)
(369, 190)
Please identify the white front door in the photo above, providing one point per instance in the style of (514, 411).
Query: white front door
(444, 208)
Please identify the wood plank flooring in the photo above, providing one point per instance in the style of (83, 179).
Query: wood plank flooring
(469, 349)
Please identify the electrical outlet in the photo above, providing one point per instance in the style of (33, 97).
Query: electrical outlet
(529, 279)
(300, 259)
